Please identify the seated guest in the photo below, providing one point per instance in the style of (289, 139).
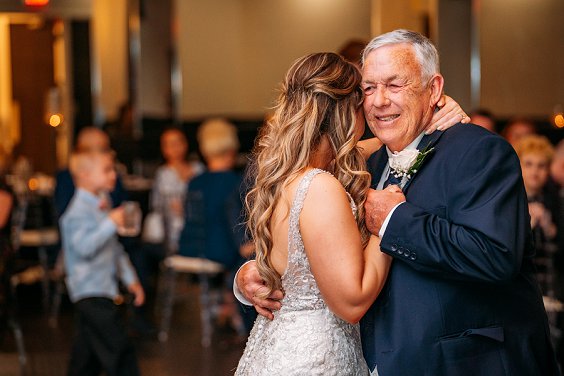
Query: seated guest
(352, 51)
(556, 183)
(171, 182)
(213, 189)
(484, 118)
(536, 153)
(209, 229)
(516, 128)
(6, 205)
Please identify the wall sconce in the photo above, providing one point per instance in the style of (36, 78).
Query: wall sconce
(52, 111)
(558, 116)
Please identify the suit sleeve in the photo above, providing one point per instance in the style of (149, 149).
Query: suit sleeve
(483, 231)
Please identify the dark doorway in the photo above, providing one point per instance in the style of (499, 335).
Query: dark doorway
(32, 76)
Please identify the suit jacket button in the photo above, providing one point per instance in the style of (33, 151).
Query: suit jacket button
(400, 251)
(394, 248)
(406, 252)
(413, 256)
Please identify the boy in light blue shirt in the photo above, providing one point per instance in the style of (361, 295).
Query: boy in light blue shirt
(94, 261)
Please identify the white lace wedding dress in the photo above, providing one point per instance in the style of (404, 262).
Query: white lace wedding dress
(305, 337)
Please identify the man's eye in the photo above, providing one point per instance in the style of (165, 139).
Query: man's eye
(367, 90)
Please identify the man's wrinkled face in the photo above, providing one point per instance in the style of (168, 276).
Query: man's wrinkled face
(397, 104)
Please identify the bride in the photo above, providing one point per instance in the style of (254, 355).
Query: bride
(306, 216)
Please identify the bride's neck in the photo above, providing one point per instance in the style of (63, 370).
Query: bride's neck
(323, 156)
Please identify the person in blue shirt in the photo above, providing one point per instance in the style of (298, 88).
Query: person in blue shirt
(212, 210)
(95, 139)
(94, 262)
(89, 138)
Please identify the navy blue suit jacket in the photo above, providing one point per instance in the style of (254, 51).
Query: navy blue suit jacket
(211, 214)
(460, 298)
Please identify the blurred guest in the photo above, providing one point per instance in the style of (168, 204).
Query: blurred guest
(121, 132)
(88, 139)
(168, 194)
(557, 165)
(92, 139)
(6, 206)
(219, 146)
(209, 216)
(94, 262)
(484, 118)
(556, 187)
(536, 153)
(171, 182)
(352, 50)
(516, 128)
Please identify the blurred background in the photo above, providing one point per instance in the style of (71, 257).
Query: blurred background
(135, 67)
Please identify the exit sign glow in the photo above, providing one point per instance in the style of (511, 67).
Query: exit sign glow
(36, 3)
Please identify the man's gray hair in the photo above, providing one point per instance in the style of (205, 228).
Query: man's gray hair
(425, 50)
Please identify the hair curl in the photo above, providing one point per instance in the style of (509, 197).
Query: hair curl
(319, 97)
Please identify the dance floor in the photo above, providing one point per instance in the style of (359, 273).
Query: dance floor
(48, 348)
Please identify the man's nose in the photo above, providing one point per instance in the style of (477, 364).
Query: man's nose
(381, 98)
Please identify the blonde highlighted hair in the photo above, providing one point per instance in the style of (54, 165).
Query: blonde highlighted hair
(217, 136)
(535, 144)
(84, 160)
(319, 97)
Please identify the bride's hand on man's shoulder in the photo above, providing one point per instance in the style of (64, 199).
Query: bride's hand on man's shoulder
(449, 114)
(251, 284)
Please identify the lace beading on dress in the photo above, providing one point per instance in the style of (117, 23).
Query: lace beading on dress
(305, 337)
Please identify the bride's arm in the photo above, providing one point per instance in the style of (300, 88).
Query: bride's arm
(449, 113)
(349, 277)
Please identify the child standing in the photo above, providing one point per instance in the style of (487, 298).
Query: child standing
(94, 261)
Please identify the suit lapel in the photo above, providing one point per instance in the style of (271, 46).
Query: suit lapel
(376, 165)
(426, 143)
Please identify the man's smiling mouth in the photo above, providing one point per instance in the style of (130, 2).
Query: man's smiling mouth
(387, 117)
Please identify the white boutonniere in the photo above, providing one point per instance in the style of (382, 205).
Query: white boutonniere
(405, 164)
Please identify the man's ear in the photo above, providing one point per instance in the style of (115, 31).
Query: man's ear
(436, 86)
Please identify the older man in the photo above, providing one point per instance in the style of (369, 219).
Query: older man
(460, 298)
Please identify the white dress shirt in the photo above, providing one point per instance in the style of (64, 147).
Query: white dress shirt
(412, 146)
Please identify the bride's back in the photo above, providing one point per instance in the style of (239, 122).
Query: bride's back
(279, 226)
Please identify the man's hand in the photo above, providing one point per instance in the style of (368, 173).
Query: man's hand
(137, 291)
(379, 204)
(251, 284)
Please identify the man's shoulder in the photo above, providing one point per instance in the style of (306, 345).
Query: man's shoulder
(468, 131)
(462, 136)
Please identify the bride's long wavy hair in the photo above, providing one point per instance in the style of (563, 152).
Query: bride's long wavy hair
(320, 96)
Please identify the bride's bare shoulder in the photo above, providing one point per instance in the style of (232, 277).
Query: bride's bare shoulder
(325, 189)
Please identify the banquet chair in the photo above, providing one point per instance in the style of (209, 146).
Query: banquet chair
(38, 237)
(205, 270)
(9, 321)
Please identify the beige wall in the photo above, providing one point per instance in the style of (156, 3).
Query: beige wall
(234, 53)
(388, 15)
(522, 51)
(109, 56)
